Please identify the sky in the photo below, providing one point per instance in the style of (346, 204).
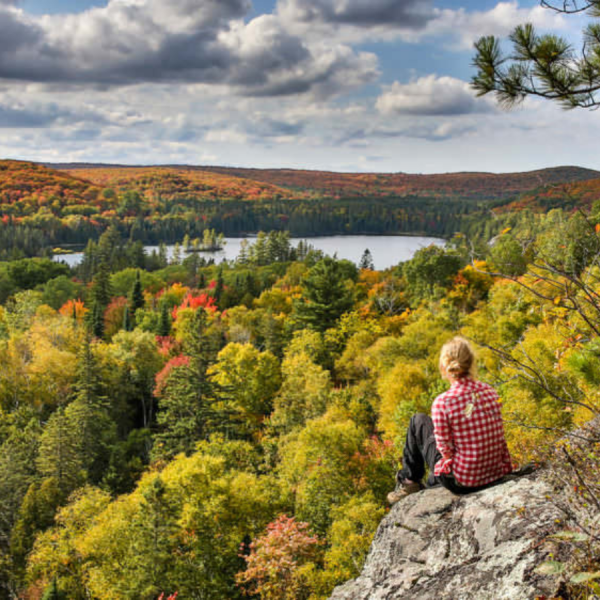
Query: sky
(341, 85)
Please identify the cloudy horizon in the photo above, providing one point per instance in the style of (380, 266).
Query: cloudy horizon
(343, 85)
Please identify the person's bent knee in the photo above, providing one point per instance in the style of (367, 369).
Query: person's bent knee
(419, 419)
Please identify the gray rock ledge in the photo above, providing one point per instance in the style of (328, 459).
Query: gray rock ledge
(434, 545)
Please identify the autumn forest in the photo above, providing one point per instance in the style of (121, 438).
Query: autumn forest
(171, 427)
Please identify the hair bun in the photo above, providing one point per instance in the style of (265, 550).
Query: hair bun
(454, 367)
(457, 358)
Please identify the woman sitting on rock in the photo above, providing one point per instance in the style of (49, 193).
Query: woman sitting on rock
(463, 442)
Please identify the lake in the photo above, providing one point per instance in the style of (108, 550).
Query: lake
(386, 251)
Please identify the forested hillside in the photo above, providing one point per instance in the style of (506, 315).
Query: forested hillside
(214, 431)
(368, 185)
(42, 208)
(156, 183)
(568, 196)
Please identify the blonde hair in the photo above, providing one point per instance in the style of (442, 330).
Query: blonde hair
(457, 358)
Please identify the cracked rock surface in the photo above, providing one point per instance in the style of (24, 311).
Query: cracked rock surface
(434, 545)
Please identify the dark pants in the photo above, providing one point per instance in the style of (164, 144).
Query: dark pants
(420, 451)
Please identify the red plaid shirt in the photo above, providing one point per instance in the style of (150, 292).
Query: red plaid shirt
(469, 433)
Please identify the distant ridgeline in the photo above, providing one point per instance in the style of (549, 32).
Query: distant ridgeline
(44, 206)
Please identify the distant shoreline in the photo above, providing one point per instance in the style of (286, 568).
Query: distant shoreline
(76, 248)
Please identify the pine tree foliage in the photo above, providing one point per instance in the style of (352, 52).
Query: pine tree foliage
(165, 322)
(545, 66)
(136, 300)
(366, 261)
(326, 295)
(92, 429)
(185, 406)
(59, 456)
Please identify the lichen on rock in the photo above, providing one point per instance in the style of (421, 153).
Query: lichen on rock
(435, 545)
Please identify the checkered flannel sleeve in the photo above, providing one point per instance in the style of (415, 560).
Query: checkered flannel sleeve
(443, 437)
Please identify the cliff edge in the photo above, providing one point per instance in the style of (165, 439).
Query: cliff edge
(434, 545)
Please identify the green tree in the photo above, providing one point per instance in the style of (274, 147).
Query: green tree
(432, 268)
(136, 300)
(349, 539)
(130, 204)
(219, 286)
(366, 261)
(59, 456)
(101, 288)
(247, 380)
(35, 514)
(185, 403)
(17, 474)
(326, 294)
(95, 319)
(58, 291)
(164, 327)
(304, 392)
(127, 324)
(92, 429)
(508, 256)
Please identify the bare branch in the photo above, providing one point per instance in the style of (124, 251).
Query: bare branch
(569, 7)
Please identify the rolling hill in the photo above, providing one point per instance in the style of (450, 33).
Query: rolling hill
(239, 182)
(31, 186)
(578, 194)
(180, 183)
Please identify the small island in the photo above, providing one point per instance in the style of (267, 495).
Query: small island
(211, 242)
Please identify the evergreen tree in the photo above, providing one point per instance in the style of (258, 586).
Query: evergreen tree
(176, 260)
(101, 289)
(93, 430)
(155, 526)
(192, 264)
(259, 250)
(242, 257)
(162, 256)
(136, 255)
(110, 249)
(95, 320)
(35, 514)
(220, 285)
(164, 325)
(59, 457)
(127, 325)
(87, 268)
(250, 286)
(185, 406)
(326, 295)
(136, 300)
(366, 261)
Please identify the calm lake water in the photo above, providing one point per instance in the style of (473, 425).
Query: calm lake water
(386, 251)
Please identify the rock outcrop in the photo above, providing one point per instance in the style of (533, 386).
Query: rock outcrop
(487, 545)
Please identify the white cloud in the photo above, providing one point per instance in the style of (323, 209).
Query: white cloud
(273, 62)
(431, 95)
(466, 27)
(410, 21)
(176, 41)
